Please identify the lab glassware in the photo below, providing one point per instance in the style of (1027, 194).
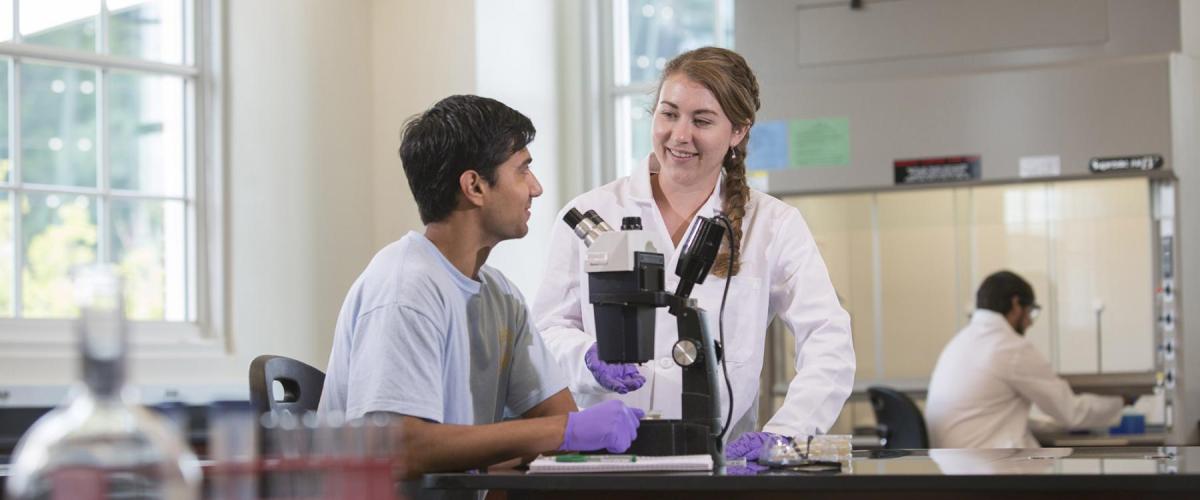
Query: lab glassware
(100, 444)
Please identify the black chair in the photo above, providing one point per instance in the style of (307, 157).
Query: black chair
(900, 422)
(301, 384)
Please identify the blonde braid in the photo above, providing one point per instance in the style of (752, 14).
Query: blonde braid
(735, 195)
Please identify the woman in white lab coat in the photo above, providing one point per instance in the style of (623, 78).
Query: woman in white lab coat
(704, 111)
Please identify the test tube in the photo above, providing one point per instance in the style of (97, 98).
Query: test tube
(327, 446)
(232, 447)
(384, 457)
(311, 477)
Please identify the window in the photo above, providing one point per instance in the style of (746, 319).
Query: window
(104, 135)
(1086, 246)
(643, 35)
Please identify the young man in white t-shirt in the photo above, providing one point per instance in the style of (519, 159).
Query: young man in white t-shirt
(431, 334)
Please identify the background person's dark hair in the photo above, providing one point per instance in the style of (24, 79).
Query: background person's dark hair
(459, 133)
(997, 291)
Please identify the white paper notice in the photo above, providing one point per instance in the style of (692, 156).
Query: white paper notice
(757, 179)
(1040, 166)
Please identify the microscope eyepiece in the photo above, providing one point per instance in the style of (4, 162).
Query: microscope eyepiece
(572, 218)
(597, 220)
(587, 226)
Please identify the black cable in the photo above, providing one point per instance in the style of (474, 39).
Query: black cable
(721, 321)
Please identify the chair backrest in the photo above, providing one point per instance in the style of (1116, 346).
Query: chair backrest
(900, 421)
(301, 384)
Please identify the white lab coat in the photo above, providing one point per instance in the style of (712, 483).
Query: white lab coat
(985, 380)
(782, 274)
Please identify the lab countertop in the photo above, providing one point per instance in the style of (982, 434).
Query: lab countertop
(1135, 472)
(1068, 439)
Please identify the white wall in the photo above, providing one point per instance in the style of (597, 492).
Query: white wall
(298, 174)
(318, 93)
(518, 66)
(422, 51)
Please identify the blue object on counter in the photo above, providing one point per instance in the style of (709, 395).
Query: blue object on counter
(1131, 423)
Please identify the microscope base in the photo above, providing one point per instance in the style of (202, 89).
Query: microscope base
(671, 437)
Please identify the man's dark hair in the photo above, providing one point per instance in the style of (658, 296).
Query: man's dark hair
(997, 291)
(459, 133)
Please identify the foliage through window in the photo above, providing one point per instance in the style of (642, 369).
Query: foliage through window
(98, 141)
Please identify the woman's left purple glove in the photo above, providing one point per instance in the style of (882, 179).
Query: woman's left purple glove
(619, 378)
(748, 445)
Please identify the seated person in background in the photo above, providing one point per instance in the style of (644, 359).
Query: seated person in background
(431, 334)
(989, 374)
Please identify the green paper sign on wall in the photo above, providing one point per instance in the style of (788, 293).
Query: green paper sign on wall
(820, 142)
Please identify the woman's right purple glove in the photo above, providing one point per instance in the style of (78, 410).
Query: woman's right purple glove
(619, 378)
(748, 445)
(609, 426)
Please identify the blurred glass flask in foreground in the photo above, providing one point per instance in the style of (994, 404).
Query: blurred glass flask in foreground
(101, 444)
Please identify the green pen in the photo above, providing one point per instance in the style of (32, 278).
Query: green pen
(579, 457)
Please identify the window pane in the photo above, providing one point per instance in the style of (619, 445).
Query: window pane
(919, 300)
(661, 29)
(146, 132)
(634, 118)
(6, 27)
(58, 125)
(841, 228)
(148, 244)
(58, 234)
(1102, 257)
(5, 152)
(6, 255)
(1010, 229)
(69, 24)
(146, 29)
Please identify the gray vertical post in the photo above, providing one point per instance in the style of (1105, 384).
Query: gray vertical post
(1184, 413)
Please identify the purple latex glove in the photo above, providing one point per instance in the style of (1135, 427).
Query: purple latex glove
(748, 445)
(607, 426)
(618, 378)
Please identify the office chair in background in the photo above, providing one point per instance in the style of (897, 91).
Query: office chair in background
(301, 385)
(901, 425)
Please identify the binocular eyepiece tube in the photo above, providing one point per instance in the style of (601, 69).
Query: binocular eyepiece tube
(587, 226)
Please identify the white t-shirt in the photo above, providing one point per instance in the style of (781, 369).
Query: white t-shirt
(417, 337)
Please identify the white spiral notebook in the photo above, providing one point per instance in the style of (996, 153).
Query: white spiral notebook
(604, 463)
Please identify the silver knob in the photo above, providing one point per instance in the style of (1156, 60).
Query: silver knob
(685, 352)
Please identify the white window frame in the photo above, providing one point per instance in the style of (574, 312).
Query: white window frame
(607, 47)
(205, 331)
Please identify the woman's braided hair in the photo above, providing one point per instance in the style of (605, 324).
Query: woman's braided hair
(726, 74)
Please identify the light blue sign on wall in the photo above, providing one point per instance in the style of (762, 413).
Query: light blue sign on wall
(780, 144)
(769, 148)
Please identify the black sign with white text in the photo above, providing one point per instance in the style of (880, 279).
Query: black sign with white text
(1119, 163)
(935, 170)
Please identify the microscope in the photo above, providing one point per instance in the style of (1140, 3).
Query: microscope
(625, 280)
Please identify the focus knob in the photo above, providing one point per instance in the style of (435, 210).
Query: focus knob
(685, 352)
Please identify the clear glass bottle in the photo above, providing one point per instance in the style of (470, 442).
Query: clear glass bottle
(100, 443)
